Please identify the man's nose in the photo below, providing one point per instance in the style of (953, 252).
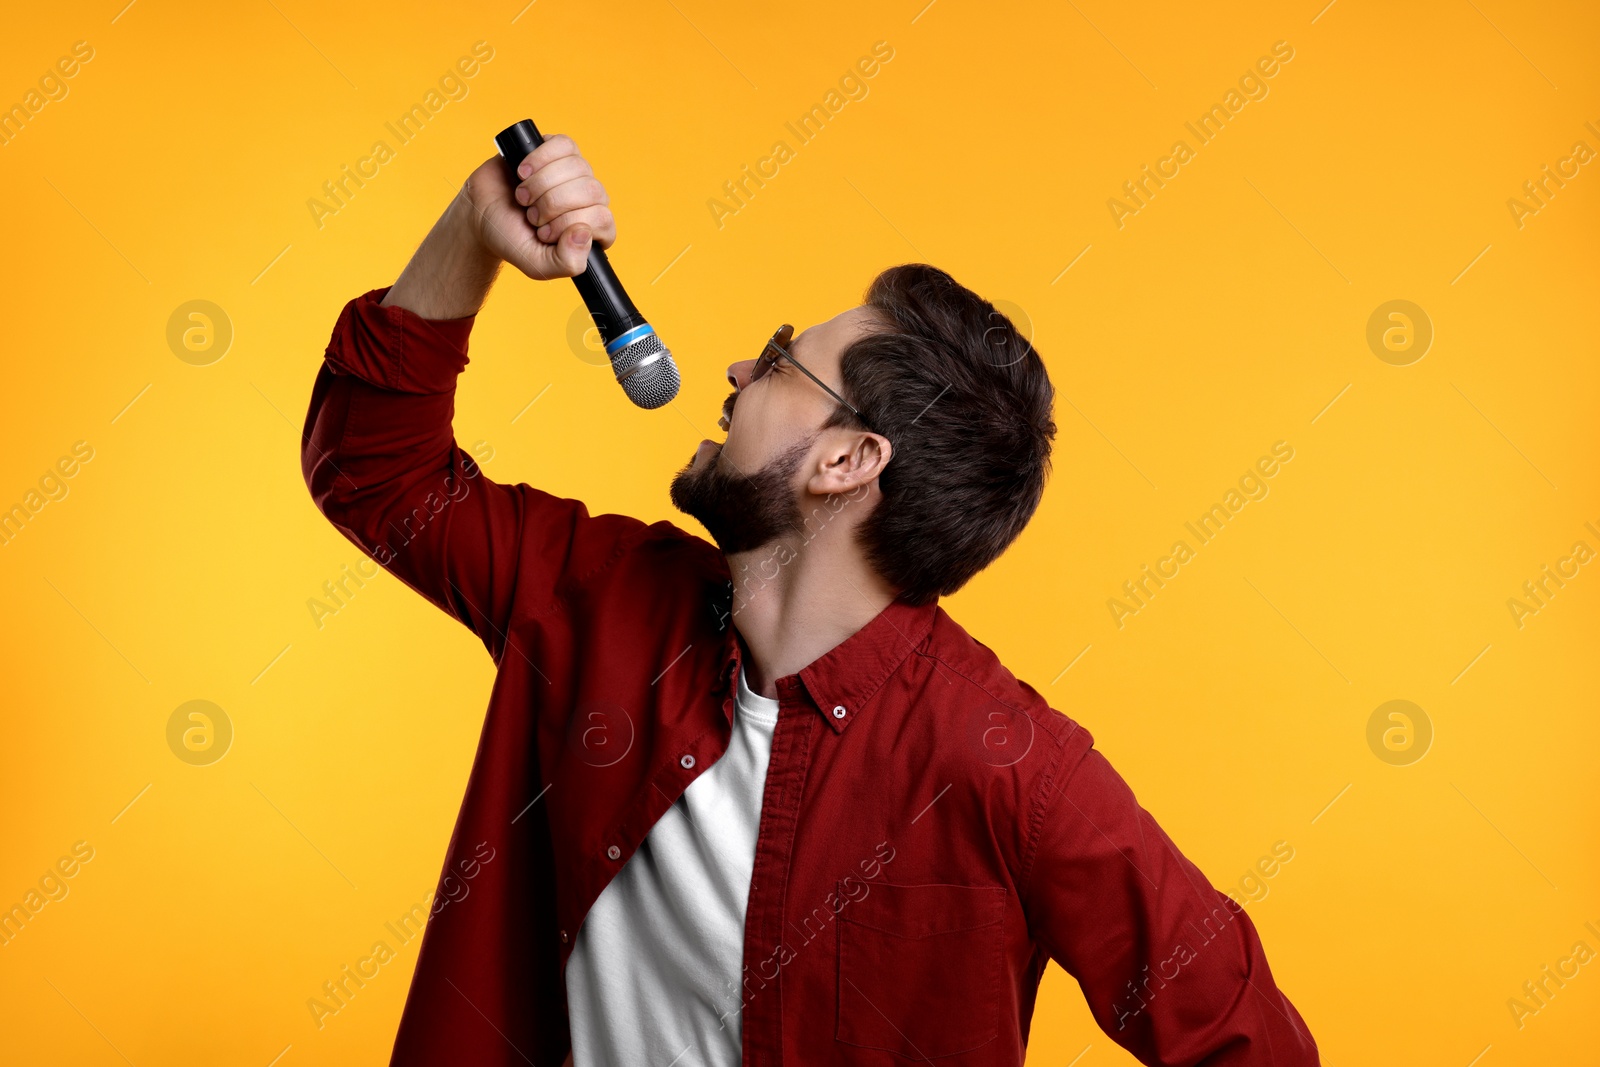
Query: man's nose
(739, 373)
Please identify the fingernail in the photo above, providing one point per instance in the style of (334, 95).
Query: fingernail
(525, 170)
(522, 195)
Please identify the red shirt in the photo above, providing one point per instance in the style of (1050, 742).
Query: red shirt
(932, 832)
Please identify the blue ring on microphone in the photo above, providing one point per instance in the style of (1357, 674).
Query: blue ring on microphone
(628, 338)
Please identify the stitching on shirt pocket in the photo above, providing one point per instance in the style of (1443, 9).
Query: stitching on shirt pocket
(919, 969)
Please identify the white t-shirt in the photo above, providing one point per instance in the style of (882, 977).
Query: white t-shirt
(654, 977)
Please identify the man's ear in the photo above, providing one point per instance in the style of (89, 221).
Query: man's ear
(852, 460)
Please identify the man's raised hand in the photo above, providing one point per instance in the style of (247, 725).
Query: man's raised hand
(544, 224)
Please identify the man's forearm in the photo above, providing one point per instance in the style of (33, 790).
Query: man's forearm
(451, 273)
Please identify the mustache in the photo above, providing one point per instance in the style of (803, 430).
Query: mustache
(727, 409)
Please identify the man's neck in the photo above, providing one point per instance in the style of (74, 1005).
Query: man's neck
(793, 602)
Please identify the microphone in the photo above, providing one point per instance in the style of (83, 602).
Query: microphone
(642, 364)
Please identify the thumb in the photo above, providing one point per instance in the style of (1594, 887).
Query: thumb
(573, 251)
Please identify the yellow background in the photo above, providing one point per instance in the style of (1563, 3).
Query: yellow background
(1223, 317)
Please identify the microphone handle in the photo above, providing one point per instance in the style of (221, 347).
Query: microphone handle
(614, 314)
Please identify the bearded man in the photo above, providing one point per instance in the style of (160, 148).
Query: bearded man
(762, 801)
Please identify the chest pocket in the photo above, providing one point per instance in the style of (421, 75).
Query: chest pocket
(920, 969)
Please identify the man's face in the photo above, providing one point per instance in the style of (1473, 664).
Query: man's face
(748, 490)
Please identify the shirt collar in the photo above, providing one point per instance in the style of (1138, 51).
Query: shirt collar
(842, 681)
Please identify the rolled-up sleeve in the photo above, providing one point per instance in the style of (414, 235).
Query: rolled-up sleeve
(1172, 968)
(380, 458)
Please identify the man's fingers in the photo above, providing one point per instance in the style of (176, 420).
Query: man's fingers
(565, 258)
(557, 172)
(580, 192)
(556, 146)
(573, 250)
(564, 212)
(598, 218)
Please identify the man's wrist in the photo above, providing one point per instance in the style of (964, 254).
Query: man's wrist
(450, 274)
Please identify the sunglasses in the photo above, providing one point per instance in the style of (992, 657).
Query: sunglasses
(778, 346)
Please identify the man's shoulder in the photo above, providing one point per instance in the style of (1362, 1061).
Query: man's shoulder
(652, 586)
(608, 556)
(664, 544)
(652, 568)
(653, 553)
(955, 650)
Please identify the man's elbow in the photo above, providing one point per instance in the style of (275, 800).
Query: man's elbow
(319, 442)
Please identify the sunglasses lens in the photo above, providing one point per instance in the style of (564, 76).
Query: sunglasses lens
(769, 356)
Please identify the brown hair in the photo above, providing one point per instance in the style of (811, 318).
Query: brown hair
(967, 404)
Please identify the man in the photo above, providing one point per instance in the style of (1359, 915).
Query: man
(763, 802)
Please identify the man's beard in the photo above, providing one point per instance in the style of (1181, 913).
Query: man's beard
(743, 513)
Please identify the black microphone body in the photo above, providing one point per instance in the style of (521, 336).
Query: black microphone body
(642, 364)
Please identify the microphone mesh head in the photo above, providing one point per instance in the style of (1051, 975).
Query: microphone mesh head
(646, 371)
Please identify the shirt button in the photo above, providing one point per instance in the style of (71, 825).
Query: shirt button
(686, 762)
(613, 852)
(564, 937)
(838, 711)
